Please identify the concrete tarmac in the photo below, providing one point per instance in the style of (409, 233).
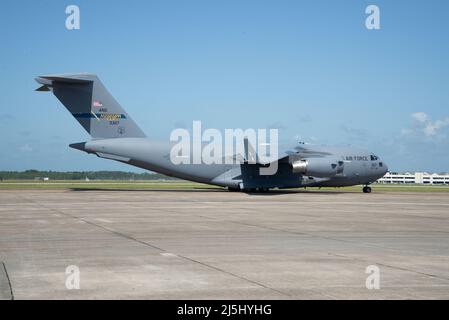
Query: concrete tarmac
(213, 244)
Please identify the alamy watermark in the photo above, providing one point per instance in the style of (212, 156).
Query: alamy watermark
(373, 279)
(372, 22)
(73, 279)
(251, 146)
(72, 22)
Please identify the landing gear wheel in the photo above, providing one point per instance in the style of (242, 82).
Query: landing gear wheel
(233, 189)
(366, 189)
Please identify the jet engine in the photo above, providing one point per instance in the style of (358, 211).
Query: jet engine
(318, 167)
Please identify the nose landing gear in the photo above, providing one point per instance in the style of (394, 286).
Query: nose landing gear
(366, 189)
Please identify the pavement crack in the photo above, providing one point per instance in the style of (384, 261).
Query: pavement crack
(389, 266)
(117, 233)
(8, 280)
(335, 239)
(296, 232)
(227, 272)
(234, 275)
(123, 235)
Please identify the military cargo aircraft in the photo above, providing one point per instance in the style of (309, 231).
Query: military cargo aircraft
(116, 136)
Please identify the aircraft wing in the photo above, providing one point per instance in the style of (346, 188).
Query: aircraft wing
(302, 150)
(296, 150)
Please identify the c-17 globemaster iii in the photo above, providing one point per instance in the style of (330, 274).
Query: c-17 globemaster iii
(116, 136)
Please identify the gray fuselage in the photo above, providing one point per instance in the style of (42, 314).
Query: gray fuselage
(116, 136)
(360, 166)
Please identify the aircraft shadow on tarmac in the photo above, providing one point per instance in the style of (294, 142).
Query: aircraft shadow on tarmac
(266, 193)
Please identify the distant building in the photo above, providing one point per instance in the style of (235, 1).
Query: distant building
(416, 177)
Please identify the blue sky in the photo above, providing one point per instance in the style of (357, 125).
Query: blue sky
(309, 68)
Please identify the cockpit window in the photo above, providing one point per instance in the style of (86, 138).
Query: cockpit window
(374, 158)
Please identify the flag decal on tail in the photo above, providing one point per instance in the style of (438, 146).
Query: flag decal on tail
(97, 104)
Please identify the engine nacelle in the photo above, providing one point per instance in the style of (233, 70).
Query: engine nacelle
(317, 167)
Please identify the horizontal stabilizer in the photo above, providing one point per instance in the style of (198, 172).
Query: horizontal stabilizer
(68, 78)
(49, 81)
(43, 88)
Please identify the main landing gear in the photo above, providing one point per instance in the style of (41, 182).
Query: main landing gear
(250, 190)
(366, 189)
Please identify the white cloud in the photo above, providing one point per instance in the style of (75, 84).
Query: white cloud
(420, 116)
(424, 124)
(431, 128)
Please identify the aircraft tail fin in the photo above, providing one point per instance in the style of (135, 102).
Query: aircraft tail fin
(91, 105)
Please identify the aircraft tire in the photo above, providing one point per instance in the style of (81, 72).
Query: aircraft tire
(366, 189)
